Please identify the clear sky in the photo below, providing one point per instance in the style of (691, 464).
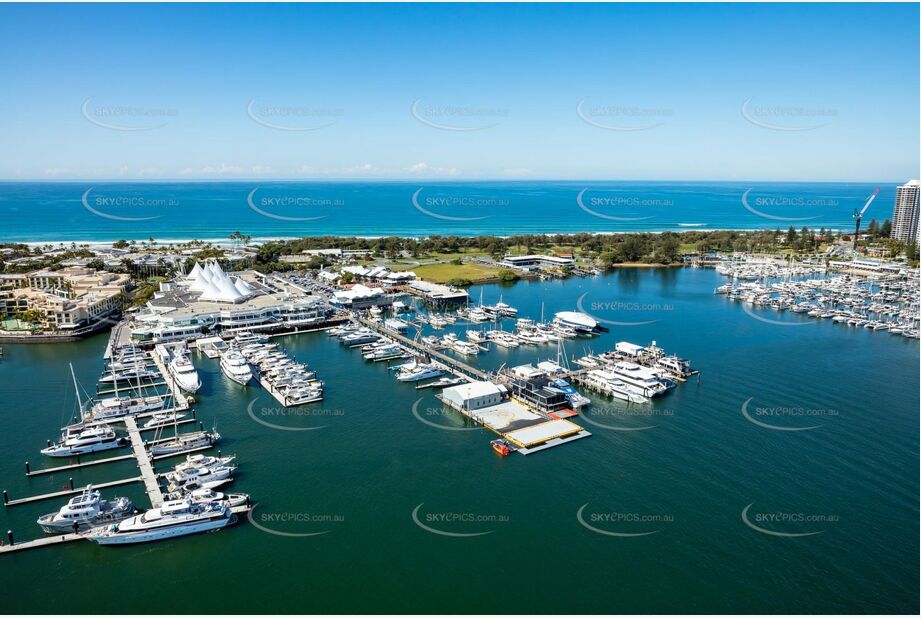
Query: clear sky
(734, 92)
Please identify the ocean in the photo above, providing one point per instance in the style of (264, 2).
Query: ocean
(672, 507)
(107, 211)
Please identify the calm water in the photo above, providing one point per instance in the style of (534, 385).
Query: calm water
(34, 212)
(687, 478)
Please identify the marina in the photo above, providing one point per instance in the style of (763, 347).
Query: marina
(519, 423)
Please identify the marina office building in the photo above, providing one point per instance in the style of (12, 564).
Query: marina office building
(906, 212)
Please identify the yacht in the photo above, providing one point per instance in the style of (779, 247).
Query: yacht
(503, 339)
(184, 372)
(174, 518)
(386, 352)
(161, 420)
(610, 383)
(185, 442)
(198, 477)
(476, 336)
(129, 375)
(414, 372)
(199, 460)
(201, 496)
(235, 367)
(641, 377)
(576, 399)
(245, 337)
(115, 407)
(477, 314)
(359, 337)
(85, 511)
(80, 440)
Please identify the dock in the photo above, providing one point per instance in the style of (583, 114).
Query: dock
(457, 367)
(70, 492)
(145, 463)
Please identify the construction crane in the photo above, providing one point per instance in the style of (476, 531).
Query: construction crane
(858, 215)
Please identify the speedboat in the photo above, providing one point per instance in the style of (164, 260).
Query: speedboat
(174, 518)
(184, 372)
(235, 367)
(85, 511)
(80, 440)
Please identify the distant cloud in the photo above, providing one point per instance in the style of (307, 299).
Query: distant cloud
(429, 170)
(224, 170)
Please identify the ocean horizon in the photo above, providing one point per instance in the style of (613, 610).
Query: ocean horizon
(105, 211)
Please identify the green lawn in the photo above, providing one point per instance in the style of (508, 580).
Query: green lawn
(442, 273)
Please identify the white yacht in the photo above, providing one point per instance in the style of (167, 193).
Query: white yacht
(503, 339)
(185, 442)
(129, 375)
(199, 477)
(199, 460)
(161, 420)
(610, 383)
(174, 518)
(87, 510)
(414, 372)
(80, 440)
(641, 377)
(115, 407)
(245, 337)
(235, 367)
(209, 495)
(385, 352)
(476, 336)
(184, 372)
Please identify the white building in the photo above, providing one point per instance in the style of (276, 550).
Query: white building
(906, 212)
(473, 395)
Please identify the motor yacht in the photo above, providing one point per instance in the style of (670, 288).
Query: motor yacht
(80, 440)
(172, 519)
(85, 511)
(235, 367)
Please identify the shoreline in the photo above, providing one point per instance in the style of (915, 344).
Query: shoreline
(225, 242)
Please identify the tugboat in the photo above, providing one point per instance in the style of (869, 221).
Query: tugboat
(502, 447)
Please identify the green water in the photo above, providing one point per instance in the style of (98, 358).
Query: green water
(359, 478)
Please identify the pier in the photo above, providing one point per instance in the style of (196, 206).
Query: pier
(145, 463)
(457, 367)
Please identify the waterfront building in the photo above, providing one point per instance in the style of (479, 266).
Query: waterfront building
(532, 262)
(208, 300)
(67, 299)
(906, 212)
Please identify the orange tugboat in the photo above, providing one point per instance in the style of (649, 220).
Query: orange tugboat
(501, 447)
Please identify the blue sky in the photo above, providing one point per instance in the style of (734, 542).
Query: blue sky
(734, 92)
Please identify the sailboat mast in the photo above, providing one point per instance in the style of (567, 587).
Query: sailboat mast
(76, 388)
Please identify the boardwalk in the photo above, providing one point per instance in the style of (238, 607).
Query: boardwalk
(151, 484)
(458, 367)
